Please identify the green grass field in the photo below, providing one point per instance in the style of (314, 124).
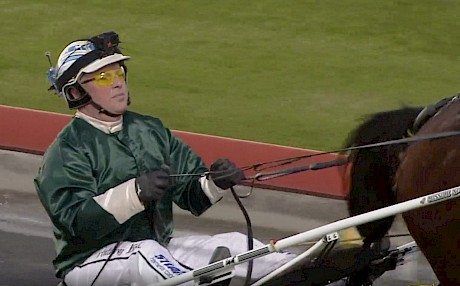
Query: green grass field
(297, 73)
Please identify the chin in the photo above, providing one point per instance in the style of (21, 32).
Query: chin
(121, 106)
(121, 110)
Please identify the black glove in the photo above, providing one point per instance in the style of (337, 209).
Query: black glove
(225, 174)
(152, 185)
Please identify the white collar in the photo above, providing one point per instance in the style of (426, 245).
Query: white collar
(105, 126)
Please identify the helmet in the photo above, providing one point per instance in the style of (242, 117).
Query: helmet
(83, 56)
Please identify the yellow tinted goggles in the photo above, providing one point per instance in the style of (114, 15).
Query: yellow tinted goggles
(106, 78)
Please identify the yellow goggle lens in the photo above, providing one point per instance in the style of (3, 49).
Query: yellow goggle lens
(106, 78)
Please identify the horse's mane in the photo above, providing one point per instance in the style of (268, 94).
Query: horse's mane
(371, 192)
(383, 126)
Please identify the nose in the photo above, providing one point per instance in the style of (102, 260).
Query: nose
(117, 82)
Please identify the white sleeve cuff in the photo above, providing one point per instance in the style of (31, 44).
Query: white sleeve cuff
(121, 201)
(213, 192)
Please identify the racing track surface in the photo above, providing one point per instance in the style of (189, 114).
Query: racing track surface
(26, 247)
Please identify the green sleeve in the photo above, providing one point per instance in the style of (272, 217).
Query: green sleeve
(66, 188)
(188, 194)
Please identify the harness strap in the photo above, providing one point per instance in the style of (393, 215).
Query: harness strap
(428, 112)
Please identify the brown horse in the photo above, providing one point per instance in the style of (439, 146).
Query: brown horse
(382, 176)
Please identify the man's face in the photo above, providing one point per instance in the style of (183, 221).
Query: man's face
(107, 88)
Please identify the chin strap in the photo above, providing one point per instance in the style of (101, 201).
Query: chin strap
(102, 110)
(86, 99)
